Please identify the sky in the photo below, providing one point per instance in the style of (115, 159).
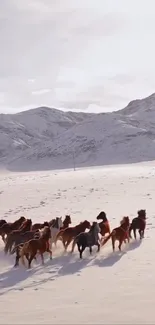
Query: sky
(86, 55)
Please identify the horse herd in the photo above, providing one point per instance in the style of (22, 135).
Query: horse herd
(26, 240)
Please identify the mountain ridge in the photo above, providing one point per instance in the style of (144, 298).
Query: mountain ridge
(47, 138)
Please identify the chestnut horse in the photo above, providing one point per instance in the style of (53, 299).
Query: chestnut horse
(138, 223)
(68, 234)
(33, 246)
(120, 233)
(104, 224)
(23, 238)
(15, 234)
(7, 227)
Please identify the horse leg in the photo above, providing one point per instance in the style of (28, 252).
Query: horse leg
(68, 242)
(98, 247)
(50, 252)
(113, 243)
(120, 244)
(30, 259)
(42, 258)
(17, 257)
(90, 250)
(134, 231)
(130, 229)
(81, 250)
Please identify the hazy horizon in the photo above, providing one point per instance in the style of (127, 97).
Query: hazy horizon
(75, 55)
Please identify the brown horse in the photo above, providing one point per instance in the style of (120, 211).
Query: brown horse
(33, 246)
(68, 234)
(138, 223)
(67, 221)
(104, 224)
(120, 233)
(37, 226)
(15, 234)
(6, 228)
(2, 222)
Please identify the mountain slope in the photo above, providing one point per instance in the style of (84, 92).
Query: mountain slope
(47, 138)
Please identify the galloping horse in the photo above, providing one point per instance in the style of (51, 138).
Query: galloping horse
(104, 224)
(33, 246)
(15, 234)
(7, 227)
(68, 234)
(87, 239)
(120, 233)
(138, 223)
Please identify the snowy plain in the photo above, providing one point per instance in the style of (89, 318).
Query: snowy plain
(106, 288)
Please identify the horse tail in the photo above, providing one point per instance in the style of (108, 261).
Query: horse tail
(22, 254)
(58, 236)
(107, 238)
(9, 243)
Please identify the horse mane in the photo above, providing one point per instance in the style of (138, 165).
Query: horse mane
(24, 224)
(43, 232)
(16, 222)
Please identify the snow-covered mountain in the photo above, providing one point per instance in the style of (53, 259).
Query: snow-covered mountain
(44, 138)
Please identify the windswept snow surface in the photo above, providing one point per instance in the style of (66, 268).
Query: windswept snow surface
(45, 139)
(106, 288)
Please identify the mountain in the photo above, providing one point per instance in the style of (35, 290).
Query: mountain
(45, 138)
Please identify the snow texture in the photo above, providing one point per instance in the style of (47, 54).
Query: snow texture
(105, 288)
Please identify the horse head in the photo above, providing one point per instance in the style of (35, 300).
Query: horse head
(142, 214)
(102, 216)
(68, 219)
(95, 227)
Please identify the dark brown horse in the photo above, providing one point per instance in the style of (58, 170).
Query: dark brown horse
(68, 234)
(34, 246)
(37, 226)
(120, 233)
(138, 223)
(15, 234)
(104, 224)
(67, 221)
(2, 222)
(6, 228)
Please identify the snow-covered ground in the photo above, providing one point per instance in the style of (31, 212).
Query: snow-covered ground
(106, 288)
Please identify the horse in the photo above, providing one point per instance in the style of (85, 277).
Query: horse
(37, 226)
(41, 245)
(15, 234)
(23, 238)
(120, 233)
(87, 239)
(138, 223)
(7, 227)
(104, 224)
(68, 234)
(57, 225)
(67, 221)
(2, 222)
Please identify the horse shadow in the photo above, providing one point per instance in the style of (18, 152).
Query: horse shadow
(14, 276)
(68, 264)
(109, 260)
(116, 256)
(134, 244)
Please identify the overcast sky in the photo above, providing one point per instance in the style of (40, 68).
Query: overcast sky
(93, 55)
